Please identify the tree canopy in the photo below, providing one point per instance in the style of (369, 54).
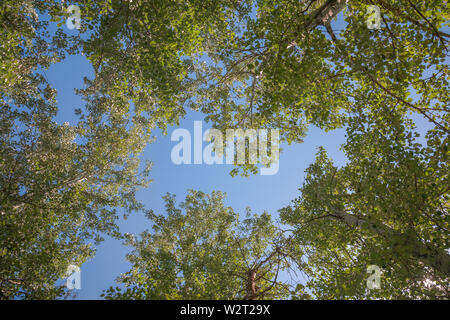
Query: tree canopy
(246, 64)
(208, 252)
(387, 207)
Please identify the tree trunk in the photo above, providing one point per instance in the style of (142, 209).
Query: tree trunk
(251, 285)
(326, 13)
(436, 258)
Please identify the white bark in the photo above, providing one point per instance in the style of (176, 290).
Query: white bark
(326, 13)
(438, 259)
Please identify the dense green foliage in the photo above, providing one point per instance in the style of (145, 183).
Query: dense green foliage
(244, 64)
(61, 185)
(206, 253)
(387, 207)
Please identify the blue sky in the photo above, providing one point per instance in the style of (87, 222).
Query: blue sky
(269, 193)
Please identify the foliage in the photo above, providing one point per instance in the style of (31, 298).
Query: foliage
(245, 64)
(208, 252)
(61, 185)
(387, 207)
